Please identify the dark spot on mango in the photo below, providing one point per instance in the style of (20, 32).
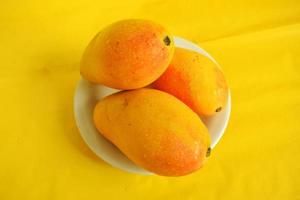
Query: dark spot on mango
(167, 40)
(125, 103)
(208, 152)
(219, 109)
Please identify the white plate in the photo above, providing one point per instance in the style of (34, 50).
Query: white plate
(86, 97)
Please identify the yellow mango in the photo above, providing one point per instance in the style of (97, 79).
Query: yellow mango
(128, 54)
(195, 80)
(155, 130)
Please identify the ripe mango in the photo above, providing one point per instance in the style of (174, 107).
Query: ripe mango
(195, 80)
(128, 54)
(155, 130)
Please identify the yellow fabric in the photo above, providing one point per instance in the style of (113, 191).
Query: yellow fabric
(42, 155)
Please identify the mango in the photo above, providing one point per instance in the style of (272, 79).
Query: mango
(155, 130)
(128, 54)
(195, 80)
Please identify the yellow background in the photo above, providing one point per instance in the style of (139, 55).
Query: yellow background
(42, 155)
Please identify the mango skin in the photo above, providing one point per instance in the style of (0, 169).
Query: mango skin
(128, 54)
(195, 80)
(154, 130)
